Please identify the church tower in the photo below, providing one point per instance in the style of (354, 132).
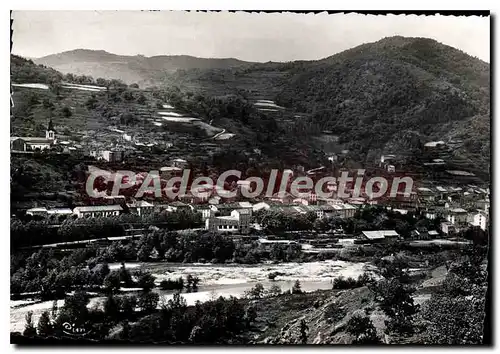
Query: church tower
(50, 133)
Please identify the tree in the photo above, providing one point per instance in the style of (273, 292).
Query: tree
(296, 289)
(303, 331)
(44, 327)
(148, 301)
(66, 112)
(361, 327)
(145, 280)
(29, 327)
(274, 290)
(112, 281)
(250, 315)
(111, 307)
(256, 292)
(127, 305)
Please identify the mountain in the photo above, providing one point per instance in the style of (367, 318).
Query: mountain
(130, 69)
(390, 96)
(394, 95)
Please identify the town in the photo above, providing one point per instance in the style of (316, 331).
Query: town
(177, 199)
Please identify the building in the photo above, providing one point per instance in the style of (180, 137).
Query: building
(457, 216)
(237, 222)
(481, 219)
(35, 143)
(420, 234)
(380, 236)
(227, 208)
(167, 172)
(60, 211)
(42, 211)
(112, 155)
(345, 210)
(433, 234)
(180, 163)
(180, 206)
(140, 207)
(261, 206)
(98, 211)
(207, 211)
(448, 228)
(267, 245)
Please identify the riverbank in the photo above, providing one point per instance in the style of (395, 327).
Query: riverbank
(216, 280)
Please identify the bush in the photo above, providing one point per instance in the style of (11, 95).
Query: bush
(256, 292)
(148, 301)
(333, 312)
(274, 290)
(297, 289)
(168, 284)
(342, 283)
(361, 327)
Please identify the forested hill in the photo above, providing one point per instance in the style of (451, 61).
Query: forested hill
(371, 94)
(130, 69)
(26, 71)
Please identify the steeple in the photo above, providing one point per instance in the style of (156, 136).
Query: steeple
(50, 133)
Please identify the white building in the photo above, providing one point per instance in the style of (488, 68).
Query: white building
(456, 216)
(481, 219)
(98, 211)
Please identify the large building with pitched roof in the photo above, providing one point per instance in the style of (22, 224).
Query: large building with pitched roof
(35, 143)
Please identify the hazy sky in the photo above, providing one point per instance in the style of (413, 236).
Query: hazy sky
(252, 37)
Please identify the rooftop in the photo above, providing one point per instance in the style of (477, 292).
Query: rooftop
(93, 208)
(380, 234)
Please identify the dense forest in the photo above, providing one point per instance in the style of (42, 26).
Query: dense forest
(369, 94)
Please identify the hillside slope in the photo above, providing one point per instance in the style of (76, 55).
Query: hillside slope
(130, 69)
(369, 94)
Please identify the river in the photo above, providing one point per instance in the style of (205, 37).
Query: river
(219, 280)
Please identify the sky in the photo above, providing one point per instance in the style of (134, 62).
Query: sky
(257, 37)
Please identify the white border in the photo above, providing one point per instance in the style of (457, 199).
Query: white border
(200, 4)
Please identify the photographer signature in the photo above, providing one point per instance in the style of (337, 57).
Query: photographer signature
(74, 330)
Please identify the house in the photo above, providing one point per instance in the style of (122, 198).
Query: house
(114, 199)
(420, 234)
(433, 234)
(227, 208)
(434, 144)
(380, 236)
(261, 206)
(112, 155)
(167, 172)
(35, 143)
(180, 163)
(237, 222)
(321, 211)
(267, 245)
(481, 219)
(60, 211)
(42, 211)
(180, 206)
(448, 228)
(282, 197)
(345, 210)
(140, 207)
(207, 211)
(426, 194)
(98, 211)
(456, 216)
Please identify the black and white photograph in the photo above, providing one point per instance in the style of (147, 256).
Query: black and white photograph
(183, 178)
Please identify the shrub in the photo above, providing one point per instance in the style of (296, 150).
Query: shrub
(297, 289)
(342, 283)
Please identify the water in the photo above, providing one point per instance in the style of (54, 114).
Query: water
(220, 280)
